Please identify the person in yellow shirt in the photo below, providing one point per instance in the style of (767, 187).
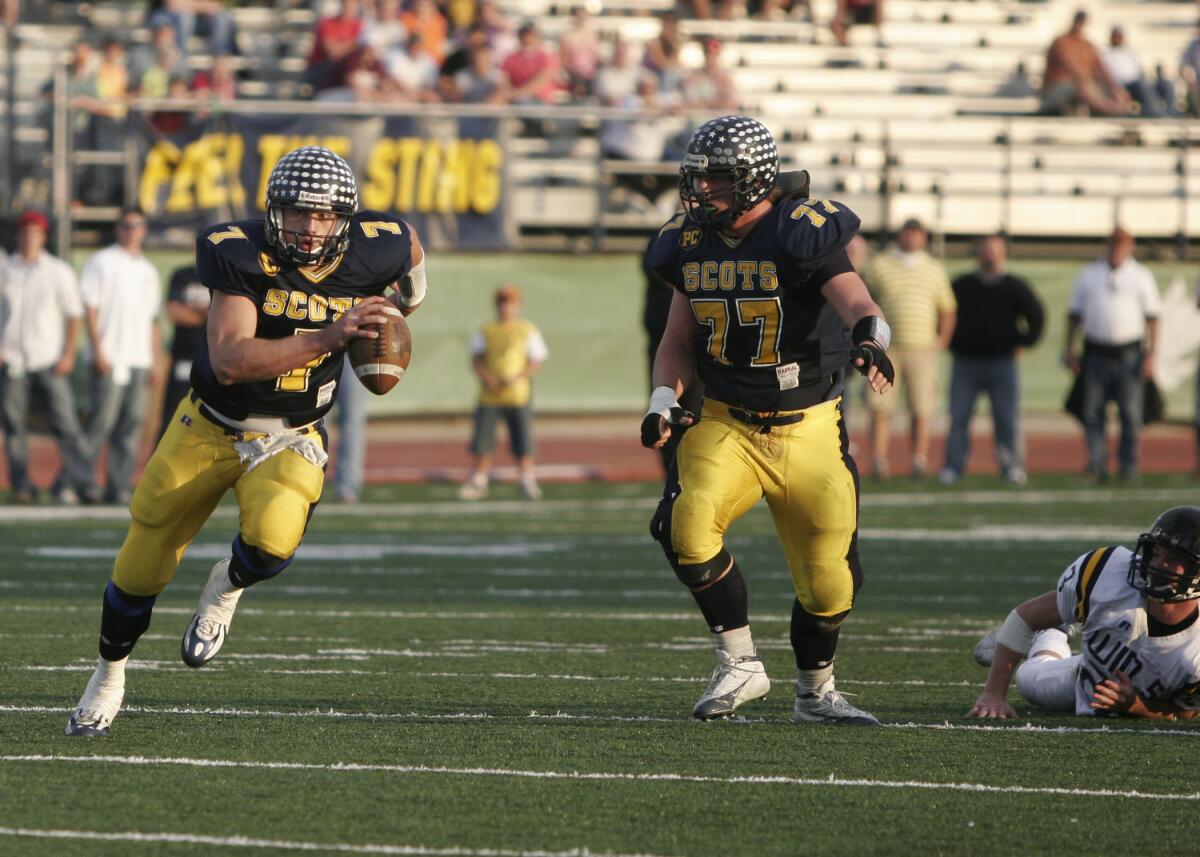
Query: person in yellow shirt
(505, 355)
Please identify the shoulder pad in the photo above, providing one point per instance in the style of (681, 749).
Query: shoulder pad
(811, 230)
(675, 237)
(382, 244)
(228, 254)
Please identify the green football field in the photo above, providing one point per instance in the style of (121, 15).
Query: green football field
(513, 678)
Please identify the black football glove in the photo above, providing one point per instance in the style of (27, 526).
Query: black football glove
(652, 427)
(872, 355)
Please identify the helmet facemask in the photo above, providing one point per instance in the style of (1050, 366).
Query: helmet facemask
(739, 150)
(311, 178)
(1166, 563)
(332, 245)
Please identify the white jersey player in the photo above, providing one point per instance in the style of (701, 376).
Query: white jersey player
(1139, 635)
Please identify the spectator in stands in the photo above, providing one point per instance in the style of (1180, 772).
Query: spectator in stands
(617, 79)
(205, 19)
(481, 82)
(1017, 84)
(852, 12)
(460, 60)
(166, 123)
(121, 296)
(1125, 67)
(533, 71)
(40, 317)
(336, 39)
(1189, 70)
(112, 75)
(643, 138)
(187, 310)
(1115, 305)
(383, 28)
(1164, 90)
(501, 32)
(777, 10)
(915, 293)
(998, 317)
(350, 454)
(1076, 80)
(662, 55)
(414, 72)
(711, 86)
(165, 63)
(505, 354)
(219, 82)
(424, 18)
(579, 52)
(705, 10)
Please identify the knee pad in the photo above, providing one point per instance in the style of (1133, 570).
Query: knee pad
(249, 565)
(808, 623)
(700, 575)
(123, 619)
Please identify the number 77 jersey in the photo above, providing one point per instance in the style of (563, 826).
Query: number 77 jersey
(765, 337)
(235, 258)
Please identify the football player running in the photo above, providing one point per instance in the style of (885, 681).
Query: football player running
(768, 312)
(289, 294)
(1139, 640)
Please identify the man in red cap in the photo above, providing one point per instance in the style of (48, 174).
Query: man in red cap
(41, 312)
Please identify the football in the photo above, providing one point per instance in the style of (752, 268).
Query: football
(380, 363)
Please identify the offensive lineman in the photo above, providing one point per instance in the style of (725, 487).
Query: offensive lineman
(289, 294)
(1139, 640)
(764, 297)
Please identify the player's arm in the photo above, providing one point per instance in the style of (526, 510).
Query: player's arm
(1013, 642)
(869, 331)
(239, 356)
(674, 370)
(410, 289)
(1119, 696)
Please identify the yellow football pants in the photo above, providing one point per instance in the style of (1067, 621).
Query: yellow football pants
(726, 466)
(191, 469)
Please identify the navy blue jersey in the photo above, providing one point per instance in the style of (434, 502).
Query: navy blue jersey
(766, 339)
(235, 258)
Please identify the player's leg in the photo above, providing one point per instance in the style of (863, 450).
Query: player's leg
(192, 467)
(276, 498)
(64, 422)
(881, 409)
(921, 386)
(964, 388)
(14, 413)
(125, 436)
(712, 484)
(520, 437)
(815, 507)
(483, 441)
(1047, 677)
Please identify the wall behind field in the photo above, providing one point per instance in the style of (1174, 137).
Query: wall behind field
(589, 310)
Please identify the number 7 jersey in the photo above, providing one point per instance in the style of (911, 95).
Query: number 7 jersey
(293, 301)
(765, 337)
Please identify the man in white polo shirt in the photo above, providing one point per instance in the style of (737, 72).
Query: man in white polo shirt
(1115, 304)
(40, 317)
(122, 293)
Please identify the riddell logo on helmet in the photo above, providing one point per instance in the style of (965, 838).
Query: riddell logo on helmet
(315, 198)
(695, 161)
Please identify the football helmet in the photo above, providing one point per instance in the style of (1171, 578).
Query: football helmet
(1177, 532)
(737, 148)
(311, 178)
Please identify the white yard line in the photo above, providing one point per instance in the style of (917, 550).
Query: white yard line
(293, 845)
(594, 776)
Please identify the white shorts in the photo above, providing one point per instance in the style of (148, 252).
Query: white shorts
(1048, 680)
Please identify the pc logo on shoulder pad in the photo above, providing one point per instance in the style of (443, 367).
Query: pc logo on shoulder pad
(689, 238)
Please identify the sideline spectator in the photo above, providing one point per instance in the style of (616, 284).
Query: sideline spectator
(350, 415)
(579, 53)
(998, 316)
(856, 12)
(915, 293)
(1189, 70)
(187, 310)
(1125, 67)
(1076, 80)
(505, 354)
(40, 317)
(1115, 304)
(122, 296)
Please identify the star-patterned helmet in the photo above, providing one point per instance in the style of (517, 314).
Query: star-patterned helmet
(736, 147)
(1166, 562)
(311, 178)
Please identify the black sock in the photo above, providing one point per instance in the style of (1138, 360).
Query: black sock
(123, 619)
(813, 642)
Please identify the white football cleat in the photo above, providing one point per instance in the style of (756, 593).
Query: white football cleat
(206, 632)
(734, 682)
(829, 706)
(985, 649)
(97, 707)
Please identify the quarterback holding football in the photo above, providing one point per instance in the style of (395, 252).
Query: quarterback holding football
(1139, 651)
(769, 312)
(289, 293)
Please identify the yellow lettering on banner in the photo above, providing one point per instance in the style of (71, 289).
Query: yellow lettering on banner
(453, 193)
(427, 175)
(205, 174)
(485, 178)
(275, 302)
(160, 164)
(408, 155)
(379, 190)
